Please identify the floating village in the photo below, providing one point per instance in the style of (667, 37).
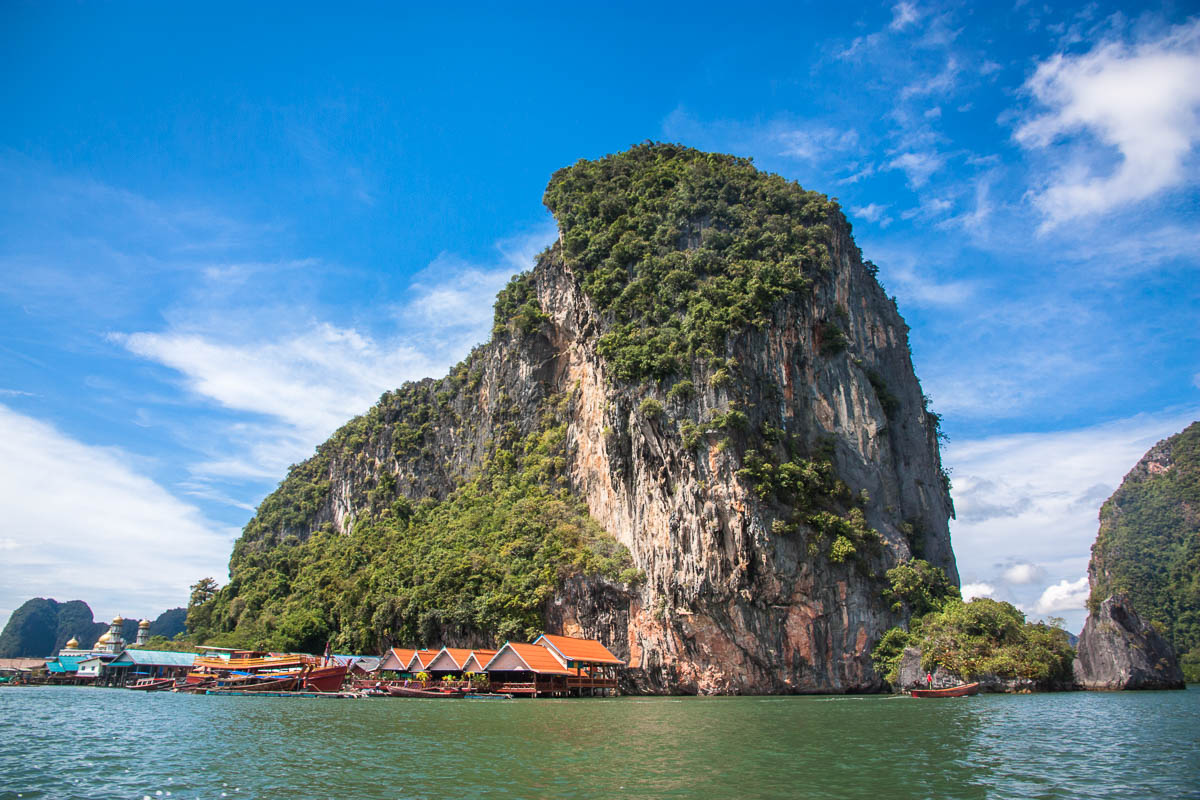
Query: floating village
(550, 666)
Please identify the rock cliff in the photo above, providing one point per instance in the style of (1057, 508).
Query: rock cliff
(41, 627)
(1148, 544)
(737, 407)
(1117, 650)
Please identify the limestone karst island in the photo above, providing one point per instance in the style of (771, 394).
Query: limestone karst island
(692, 458)
(662, 401)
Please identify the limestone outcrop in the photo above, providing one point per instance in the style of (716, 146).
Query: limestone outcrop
(1117, 650)
(742, 588)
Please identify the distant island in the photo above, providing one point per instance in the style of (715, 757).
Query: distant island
(42, 627)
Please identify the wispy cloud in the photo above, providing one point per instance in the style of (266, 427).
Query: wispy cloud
(1140, 100)
(919, 166)
(815, 142)
(941, 83)
(78, 515)
(903, 15)
(290, 385)
(916, 281)
(873, 212)
(1028, 503)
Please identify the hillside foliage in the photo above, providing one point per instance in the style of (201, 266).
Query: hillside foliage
(479, 565)
(970, 639)
(680, 248)
(1149, 545)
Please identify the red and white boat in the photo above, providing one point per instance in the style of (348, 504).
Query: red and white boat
(965, 690)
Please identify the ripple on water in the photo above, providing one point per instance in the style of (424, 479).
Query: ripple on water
(81, 742)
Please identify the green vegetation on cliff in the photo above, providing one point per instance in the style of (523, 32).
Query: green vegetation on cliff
(479, 565)
(1148, 545)
(680, 252)
(972, 639)
(681, 248)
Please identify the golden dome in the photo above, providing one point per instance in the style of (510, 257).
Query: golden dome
(118, 620)
(105, 638)
(72, 643)
(144, 623)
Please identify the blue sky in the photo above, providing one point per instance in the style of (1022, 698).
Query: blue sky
(222, 233)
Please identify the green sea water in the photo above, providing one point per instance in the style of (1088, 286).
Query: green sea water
(68, 742)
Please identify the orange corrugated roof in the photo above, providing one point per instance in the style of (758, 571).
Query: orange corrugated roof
(587, 650)
(537, 658)
(403, 655)
(424, 657)
(458, 655)
(481, 657)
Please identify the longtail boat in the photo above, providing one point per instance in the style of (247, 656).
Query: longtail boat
(412, 691)
(326, 679)
(152, 684)
(286, 684)
(311, 673)
(965, 690)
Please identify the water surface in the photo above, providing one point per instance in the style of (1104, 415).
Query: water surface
(76, 742)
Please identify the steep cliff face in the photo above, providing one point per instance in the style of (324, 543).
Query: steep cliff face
(737, 407)
(1148, 544)
(1117, 650)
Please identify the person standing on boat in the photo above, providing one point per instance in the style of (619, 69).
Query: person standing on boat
(929, 679)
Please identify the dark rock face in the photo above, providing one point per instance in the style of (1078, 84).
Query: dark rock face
(1119, 651)
(169, 624)
(42, 627)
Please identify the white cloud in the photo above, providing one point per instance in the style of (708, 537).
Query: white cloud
(973, 590)
(1021, 574)
(1033, 499)
(81, 523)
(1063, 596)
(313, 380)
(291, 385)
(914, 280)
(919, 167)
(871, 213)
(903, 15)
(1140, 101)
(941, 83)
(815, 142)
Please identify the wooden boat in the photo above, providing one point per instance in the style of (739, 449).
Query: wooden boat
(311, 673)
(316, 679)
(488, 696)
(286, 684)
(152, 684)
(326, 679)
(413, 691)
(965, 690)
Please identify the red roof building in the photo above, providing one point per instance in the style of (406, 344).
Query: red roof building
(397, 659)
(421, 659)
(578, 653)
(478, 660)
(449, 659)
(531, 658)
